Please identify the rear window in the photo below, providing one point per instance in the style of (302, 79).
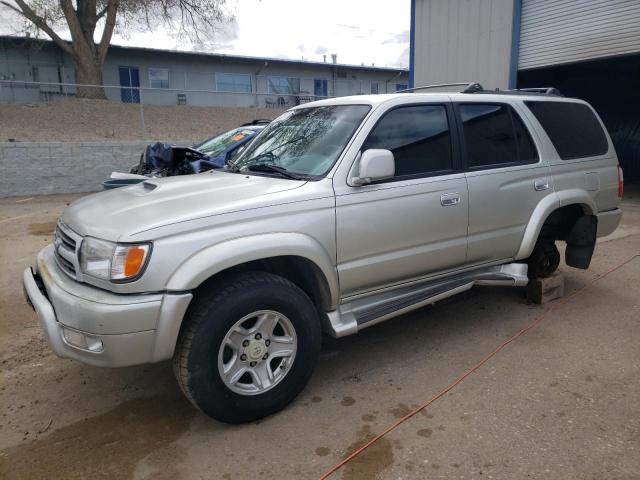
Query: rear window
(572, 127)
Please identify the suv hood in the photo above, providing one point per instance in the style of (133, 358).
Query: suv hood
(115, 214)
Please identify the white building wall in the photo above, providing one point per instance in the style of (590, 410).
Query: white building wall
(463, 41)
(565, 31)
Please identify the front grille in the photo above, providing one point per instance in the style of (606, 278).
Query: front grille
(66, 264)
(65, 248)
(66, 239)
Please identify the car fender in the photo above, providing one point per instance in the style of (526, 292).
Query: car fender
(544, 208)
(216, 258)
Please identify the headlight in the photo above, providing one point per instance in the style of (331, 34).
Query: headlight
(111, 261)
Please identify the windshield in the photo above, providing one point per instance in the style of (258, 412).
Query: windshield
(216, 146)
(304, 142)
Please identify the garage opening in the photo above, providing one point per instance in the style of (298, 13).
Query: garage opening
(612, 86)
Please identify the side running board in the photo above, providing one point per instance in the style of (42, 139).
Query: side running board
(353, 316)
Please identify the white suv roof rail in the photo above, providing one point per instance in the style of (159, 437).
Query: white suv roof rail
(439, 85)
(475, 87)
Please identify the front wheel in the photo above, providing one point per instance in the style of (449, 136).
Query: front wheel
(248, 347)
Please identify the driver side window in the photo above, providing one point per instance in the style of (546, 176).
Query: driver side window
(419, 138)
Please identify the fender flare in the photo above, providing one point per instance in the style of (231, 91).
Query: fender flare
(221, 256)
(545, 207)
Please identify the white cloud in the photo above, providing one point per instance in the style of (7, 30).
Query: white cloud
(360, 31)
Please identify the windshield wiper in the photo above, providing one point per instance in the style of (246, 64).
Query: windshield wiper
(265, 167)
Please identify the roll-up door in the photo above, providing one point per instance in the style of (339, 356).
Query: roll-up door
(554, 32)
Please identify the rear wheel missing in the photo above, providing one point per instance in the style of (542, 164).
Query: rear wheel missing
(544, 260)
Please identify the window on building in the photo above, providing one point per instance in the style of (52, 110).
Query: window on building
(283, 85)
(375, 88)
(320, 87)
(572, 127)
(233, 82)
(158, 77)
(495, 135)
(419, 138)
(401, 86)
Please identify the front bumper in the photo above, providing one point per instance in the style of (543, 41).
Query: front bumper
(99, 327)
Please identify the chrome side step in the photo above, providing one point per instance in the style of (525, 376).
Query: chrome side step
(353, 316)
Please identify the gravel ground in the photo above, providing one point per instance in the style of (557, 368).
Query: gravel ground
(561, 402)
(100, 120)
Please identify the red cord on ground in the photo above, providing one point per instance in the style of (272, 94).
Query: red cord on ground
(536, 321)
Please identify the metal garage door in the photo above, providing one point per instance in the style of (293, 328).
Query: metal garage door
(562, 31)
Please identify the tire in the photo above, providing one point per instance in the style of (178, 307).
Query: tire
(544, 260)
(253, 314)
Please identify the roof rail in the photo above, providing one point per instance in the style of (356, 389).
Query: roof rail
(438, 85)
(473, 88)
(476, 88)
(544, 90)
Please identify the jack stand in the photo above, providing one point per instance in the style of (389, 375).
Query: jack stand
(543, 290)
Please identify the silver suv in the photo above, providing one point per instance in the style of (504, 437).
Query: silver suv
(341, 214)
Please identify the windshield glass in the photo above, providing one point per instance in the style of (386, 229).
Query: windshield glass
(216, 146)
(305, 142)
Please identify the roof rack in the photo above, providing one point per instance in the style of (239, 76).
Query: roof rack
(437, 85)
(544, 90)
(475, 87)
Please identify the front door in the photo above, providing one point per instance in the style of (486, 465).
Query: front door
(414, 224)
(130, 83)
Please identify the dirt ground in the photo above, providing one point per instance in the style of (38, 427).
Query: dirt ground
(102, 120)
(560, 402)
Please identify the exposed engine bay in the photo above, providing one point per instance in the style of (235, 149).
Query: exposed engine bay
(164, 160)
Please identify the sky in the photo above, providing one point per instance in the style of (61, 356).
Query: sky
(358, 31)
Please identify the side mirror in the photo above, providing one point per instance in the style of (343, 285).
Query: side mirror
(375, 164)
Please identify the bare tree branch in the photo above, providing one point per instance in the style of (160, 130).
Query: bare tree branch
(196, 20)
(75, 27)
(101, 13)
(107, 33)
(41, 23)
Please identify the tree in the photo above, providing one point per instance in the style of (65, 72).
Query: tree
(196, 20)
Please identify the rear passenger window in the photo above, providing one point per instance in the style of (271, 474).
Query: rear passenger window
(572, 127)
(418, 136)
(494, 136)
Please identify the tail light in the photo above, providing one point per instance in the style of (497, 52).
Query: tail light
(620, 182)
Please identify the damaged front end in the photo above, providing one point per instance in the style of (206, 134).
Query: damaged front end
(164, 160)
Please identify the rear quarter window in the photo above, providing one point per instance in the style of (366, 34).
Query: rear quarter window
(573, 128)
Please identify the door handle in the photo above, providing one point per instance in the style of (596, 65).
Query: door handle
(540, 185)
(449, 199)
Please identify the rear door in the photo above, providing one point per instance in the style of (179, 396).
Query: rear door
(505, 176)
(586, 159)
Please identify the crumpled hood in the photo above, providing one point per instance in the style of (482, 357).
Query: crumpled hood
(116, 214)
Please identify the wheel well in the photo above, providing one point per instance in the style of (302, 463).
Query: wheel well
(560, 222)
(298, 270)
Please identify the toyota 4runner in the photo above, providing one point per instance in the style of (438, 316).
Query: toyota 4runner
(340, 214)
